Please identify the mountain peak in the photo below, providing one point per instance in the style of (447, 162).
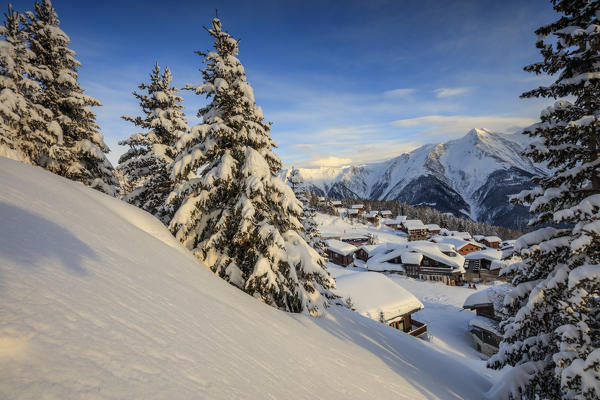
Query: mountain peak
(476, 133)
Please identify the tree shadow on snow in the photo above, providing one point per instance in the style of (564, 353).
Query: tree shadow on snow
(31, 240)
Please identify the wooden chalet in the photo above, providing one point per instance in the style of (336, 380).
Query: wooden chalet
(385, 214)
(395, 223)
(422, 260)
(372, 217)
(366, 251)
(356, 240)
(337, 204)
(484, 328)
(359, 207)
(352, 213)
(415, 229)
(483, 266)
(378, 297)
(492, 241)
(340, 253)
(433, 229)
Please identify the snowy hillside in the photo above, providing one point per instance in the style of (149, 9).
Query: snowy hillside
(471, 176)
(97, 300)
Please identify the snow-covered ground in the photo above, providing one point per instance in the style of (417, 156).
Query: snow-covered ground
(97, 300)
(329, 224)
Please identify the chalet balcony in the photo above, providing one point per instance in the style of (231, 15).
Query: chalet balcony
(418, 329)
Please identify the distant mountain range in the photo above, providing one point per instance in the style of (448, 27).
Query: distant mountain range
(470, 177)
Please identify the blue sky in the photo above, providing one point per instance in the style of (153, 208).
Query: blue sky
(344, 82)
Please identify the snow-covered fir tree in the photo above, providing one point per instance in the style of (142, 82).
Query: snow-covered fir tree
(25, 132)
(311, 229)
(237, 216)
(82, 153)
(146, 165)
(551, 320)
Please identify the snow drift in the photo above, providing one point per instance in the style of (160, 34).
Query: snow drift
(98, 300)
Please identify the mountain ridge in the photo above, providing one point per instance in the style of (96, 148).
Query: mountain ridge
(472, 176)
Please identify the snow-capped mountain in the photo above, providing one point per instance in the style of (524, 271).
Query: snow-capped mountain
(472, 176)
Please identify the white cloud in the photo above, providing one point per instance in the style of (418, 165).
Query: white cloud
(329, 161)
(447, 92)
(461, 124)
(399, 92)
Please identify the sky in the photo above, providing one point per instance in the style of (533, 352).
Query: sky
(344, 82)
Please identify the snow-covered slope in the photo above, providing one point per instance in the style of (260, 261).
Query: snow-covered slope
(471, 176)
(98, 301)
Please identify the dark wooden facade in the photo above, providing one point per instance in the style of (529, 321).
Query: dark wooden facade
(493, 244)
(479, 270)
(417, 234)
(340, 259)
(362, 254)
(408, 325)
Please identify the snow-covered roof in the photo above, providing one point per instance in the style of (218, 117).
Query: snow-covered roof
(487, 254)
(411, 258)
(433, 251)
(352, 211)
(408, 254)
(358, 206)
(385, 212)
(373, 294)
(371, 214)
(457, 242)
(432, 227)
(410, 222)
(340, 247)
(414, 224)
(478, 237)
(487, 297)
(395, 221)
(353, 236)
(487, 324)
(336, 202)
(491, 239)
(372, 249)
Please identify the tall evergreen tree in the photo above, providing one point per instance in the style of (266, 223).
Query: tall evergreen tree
(551, 320)
(237, 216)
(311, 229)
(25, 134)
(146, 165)
(82, 156)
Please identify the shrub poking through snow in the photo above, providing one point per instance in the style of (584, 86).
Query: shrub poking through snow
(236, 215)
(146, 165)
(551, 324)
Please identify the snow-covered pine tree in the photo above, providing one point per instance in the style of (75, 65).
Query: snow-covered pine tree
(237, 216)
(146, 165)
(24, 132)
(311, 229)
(551, 320)
(82, 155)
